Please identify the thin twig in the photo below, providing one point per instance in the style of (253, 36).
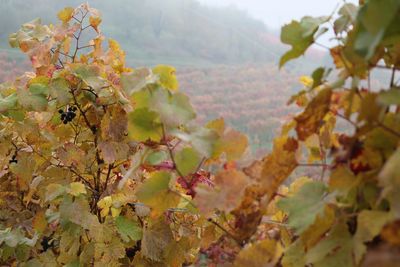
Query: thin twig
(226, 232)
(171, 154)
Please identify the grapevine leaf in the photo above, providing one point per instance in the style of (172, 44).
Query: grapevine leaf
(232, 143)
(227, 193)
(202, 139)
(263, 253)
(175, 252)
(78, 212)
(66, 14)
(310, 120)
(8, 102)
(23, 171)
(217, 125)
(304, 207)
(144, 125)
(35, 98)
(39, 222)
(156, 157)
(128, 229)
(136, 80)
(371, 25)
(53, 191)
(155, 192)
(321, 226)
(277, 166)
(294, 255)
(390, 97)
(113, 151)
(300, 35)
(167, 76)
(95, 22)
(114, 124)
(369, 225)
(389, 179)
(107, 254)
(59, 88)
(348, 13)
(90, 74)
(76, 188)
(156, 238)
(187, 160)
(342, 180)
(173, 109)
(335, 249)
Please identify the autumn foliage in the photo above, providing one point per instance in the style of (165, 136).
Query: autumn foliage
(104, 165)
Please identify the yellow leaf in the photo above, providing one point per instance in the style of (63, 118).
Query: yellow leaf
(115, 212)
(95, 22)
(217, 125)
(309, 121)
(104, 204)
(167, 76)
(66, 14)
(76, 189)
(264, 253)
(278, 165)
(232, 143)
(306, 81)
(39, 222)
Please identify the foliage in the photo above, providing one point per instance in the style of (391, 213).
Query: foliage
(127, 177)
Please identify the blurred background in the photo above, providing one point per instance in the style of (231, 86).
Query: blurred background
(225, 51)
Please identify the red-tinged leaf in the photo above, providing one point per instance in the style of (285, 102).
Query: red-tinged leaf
(226, 194)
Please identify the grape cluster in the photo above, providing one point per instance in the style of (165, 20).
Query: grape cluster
(13, 160)
(68, 115)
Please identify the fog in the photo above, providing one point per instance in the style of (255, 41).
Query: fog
(277, 13)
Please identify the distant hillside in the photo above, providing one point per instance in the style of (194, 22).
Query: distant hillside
(177, 32)
(251, 98)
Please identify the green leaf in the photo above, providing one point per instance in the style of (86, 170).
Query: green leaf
(135, 81)
(335, 249)
(8, 102)
(202, 139)
(155, 192)
(128, 229)
(300, 35)
(372, 25)
(156, 157)
(390, 97)
(187, 160)
(173, 109)
(59, 88)
(348, 13)
(144, 125)
(389, 179)
(369, 225)
(35, 98)
(90, 74)
(305, 205)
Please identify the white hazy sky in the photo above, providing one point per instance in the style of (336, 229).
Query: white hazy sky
(275, 13)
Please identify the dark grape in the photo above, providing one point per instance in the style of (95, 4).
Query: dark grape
(60, 111)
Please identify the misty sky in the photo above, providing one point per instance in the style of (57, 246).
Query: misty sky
(275, 13)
